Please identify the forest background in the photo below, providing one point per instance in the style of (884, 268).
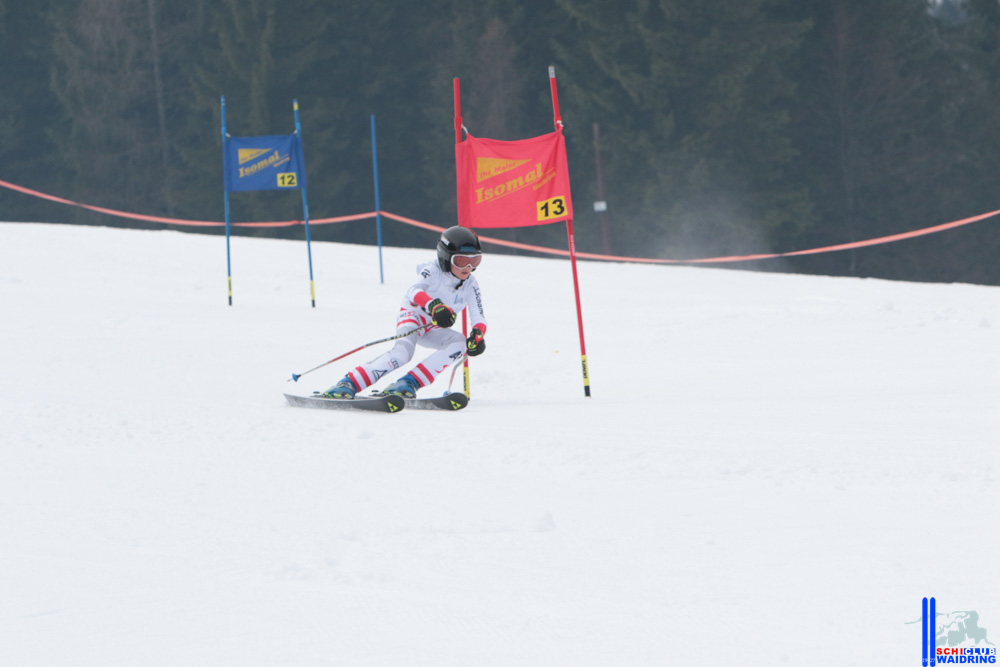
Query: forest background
(710, 127)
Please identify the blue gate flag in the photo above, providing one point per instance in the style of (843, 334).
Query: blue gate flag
(264, 163)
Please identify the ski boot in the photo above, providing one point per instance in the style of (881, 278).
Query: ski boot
(343, 389)
(405, 386)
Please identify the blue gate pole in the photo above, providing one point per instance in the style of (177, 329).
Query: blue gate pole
(378, 210)
(932, 631)
(225, 189)
(305, 202)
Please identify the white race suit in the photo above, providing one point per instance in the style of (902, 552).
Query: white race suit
(449, 344)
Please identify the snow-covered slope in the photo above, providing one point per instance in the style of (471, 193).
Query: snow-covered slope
(773, 469)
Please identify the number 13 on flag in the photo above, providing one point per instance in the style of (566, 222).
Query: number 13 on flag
(551, 209)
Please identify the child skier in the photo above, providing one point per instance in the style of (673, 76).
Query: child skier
(445, 287)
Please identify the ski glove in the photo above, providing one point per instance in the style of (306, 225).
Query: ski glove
(476, 344)
(442, 315)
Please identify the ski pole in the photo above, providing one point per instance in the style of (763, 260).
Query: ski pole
(295, 376)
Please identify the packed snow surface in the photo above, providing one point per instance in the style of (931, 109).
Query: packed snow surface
(772, 469)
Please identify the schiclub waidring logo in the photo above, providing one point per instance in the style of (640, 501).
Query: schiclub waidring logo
(953, 638)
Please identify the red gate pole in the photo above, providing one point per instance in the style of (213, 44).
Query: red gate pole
(557, 121)
(465, 312)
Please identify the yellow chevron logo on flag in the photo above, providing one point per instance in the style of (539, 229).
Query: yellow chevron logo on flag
(247, 154)
(488, 167)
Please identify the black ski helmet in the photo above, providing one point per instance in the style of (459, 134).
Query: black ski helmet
(457, 241)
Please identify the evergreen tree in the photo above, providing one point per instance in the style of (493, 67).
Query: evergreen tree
(873, 127)
(343, 61)
(727, 126)
(499, 50)
(967, 77)
(29, 113)
(115, 71)
(251, 54)
(692, 99)
(102, 77)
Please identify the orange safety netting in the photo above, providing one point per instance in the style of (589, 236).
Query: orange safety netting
(511, 244)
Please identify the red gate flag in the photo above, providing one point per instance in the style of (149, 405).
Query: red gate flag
(513, 183)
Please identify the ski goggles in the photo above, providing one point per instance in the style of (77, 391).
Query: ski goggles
(463, 261)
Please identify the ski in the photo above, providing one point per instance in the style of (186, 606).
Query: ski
(452, 402)
(384, 403)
